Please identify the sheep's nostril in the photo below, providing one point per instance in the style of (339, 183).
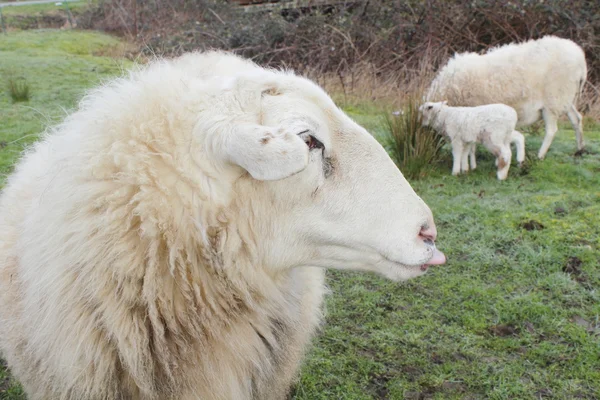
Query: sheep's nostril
(428, 233)
(428, 242)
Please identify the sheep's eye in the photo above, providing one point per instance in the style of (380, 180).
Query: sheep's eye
(429, 107)
(313, 143)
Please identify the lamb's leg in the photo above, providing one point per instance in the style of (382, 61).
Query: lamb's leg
(472, 156)
(464, 160)
(576, 121)
(457, 152)
(519, 140)
(550, 121)
(504, 162)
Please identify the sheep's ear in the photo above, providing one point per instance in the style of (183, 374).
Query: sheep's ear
(267, 153)
(257, 84)
(445, 102)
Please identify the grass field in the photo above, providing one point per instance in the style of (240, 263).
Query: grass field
(515, 313)
(58, 66)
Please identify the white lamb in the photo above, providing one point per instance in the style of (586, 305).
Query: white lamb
(539, 79)
(168, 240)
(493, 125)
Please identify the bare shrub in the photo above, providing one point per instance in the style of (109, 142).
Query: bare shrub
(366, 48)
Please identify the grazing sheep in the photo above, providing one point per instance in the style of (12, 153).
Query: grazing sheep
(540, 79)
(168, 239)
(492, 124)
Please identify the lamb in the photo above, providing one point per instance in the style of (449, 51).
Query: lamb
(168, 239)
(540, 79)
(492, 124)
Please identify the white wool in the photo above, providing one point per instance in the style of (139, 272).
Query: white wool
(493, 125)
(167, 240)
(540, 79)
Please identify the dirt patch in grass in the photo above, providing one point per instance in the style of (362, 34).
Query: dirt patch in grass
(503, 330)
(453, 387)
(560, 211)
(573, 266)
(425, 395)
(582, 152)
(411, 373)
(590, 327)
(529, 326)
(378, 385)
(544, 393)
(532, 225)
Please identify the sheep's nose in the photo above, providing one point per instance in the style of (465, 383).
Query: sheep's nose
(428, 233)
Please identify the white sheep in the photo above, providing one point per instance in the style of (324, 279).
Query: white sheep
(540, 79)
(493, 125)
(167, 241)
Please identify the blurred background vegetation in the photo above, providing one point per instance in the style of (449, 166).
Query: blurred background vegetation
(374, 49)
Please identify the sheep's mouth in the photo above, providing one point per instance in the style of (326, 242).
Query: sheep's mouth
(421, 266)
(436, 258)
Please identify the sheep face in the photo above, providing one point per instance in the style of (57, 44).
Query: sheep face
(323, 191)
(429, 111)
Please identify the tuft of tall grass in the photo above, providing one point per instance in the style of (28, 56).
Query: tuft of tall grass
(18, 88)
(415, 149)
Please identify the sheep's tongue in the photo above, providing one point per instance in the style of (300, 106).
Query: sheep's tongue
(438, 258)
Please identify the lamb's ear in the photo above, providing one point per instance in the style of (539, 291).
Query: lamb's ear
(445, 102)
(267, 153)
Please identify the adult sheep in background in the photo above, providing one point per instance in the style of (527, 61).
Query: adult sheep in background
(493, 125)
(540, 79)
(168, 240)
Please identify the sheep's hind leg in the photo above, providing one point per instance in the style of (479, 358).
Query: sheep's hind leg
(550, 121)
(464, 160)
(504, 162)
(472, 156)
(576, 121)
(519, 140)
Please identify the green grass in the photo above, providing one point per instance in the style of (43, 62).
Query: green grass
(515, 313)
(58, 66)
